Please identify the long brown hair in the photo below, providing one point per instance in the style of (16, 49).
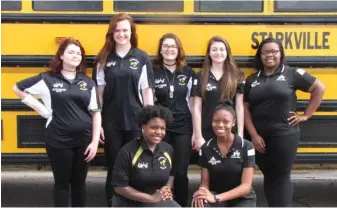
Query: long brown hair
(56, 64)
(231, 72)
(110, 43)
(180, 60)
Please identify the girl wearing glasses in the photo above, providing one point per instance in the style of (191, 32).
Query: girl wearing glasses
(271, 119)
(173, 82)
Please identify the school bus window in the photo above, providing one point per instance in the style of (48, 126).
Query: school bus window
(10, 5)
(305, 6)
(39, 5)
(149, 6)
(228, 6)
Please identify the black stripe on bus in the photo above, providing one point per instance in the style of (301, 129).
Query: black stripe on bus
(192, 61)
(42, 158)
(17, 105)
(171, 19)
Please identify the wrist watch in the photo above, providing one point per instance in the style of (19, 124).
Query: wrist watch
(217, 198)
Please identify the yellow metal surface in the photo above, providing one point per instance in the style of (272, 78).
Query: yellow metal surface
(298, 40)
(11, 75)
(39, 39)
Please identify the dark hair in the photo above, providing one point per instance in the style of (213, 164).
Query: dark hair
(257, 60)
(56, 64)
(226, 105)
(180, 62)
(154, 111)
(231, 72)
(110, 44)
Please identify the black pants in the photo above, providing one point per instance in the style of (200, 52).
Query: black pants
(69, 168)
(114, 141)
(119, 201)
(276, 164)
(181, 144)
(234, 203)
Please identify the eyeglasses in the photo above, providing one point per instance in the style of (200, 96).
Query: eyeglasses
(272, 52)
(167, 47)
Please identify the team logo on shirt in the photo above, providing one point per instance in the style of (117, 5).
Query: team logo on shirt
(159, 83)
(58, 87)
(133, 63)
(281, 78)
(163, 162)
(142, 165)
(83, 85)
(213, 161)
(236, 154)
(209, 87)
(111, 63)
(182, 79)
(255, 83)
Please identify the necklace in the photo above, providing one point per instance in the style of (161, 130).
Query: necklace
(170, 64)
(171, 91)
(69, 70)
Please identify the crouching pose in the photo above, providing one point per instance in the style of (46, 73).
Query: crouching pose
(227, 163)
(143, 175)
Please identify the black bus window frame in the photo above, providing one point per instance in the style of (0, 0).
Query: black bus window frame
(228, 6)
(11, 5)
(148, 6)
(305, 6)
(56, 5)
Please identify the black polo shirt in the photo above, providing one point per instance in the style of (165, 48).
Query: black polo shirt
(272, 97)
(225, 173)
(71, 104)
(124, 79)
(142, 169)
(213, 93)
(179, 103)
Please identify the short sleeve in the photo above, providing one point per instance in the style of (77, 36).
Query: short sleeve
(202, 161)
(122, 170)
(302, 80)
(246, 89)
(34, 85)
(146, 79)
(196, 89)
(98, 75)
(241, 84)
(249, 160)
(94, 104)
(190, 83)
(170, 151)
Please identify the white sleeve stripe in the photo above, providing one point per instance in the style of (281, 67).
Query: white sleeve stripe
(300, 71)
(251, 152)
(189, 88)
(143, 81)
(93, 100)
(100, 76)
(41, 89)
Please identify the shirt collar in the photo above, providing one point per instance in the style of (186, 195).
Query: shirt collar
(238, 143)
(79, 76)
(131, 53)
(278, 71)
(144, 146)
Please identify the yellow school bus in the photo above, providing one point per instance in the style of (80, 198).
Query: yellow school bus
(32, 29)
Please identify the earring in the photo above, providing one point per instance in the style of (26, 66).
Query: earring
(142, 130)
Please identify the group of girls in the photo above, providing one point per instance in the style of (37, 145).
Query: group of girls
(155, 113)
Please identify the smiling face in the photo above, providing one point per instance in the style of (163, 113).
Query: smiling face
(122, 32)
(169, 49)
(270, 55)
(218, 52)
(223, 122)
(154, 131)
(72, 56)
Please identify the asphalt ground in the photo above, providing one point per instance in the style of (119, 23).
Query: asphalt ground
(26, 186)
